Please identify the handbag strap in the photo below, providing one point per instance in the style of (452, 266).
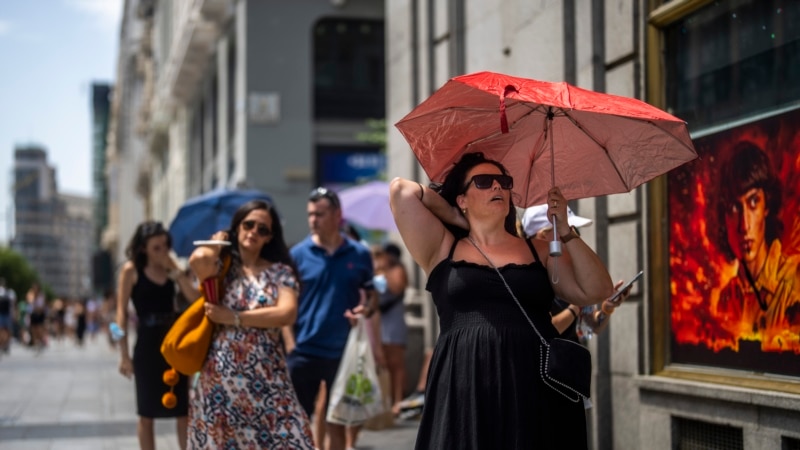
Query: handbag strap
(546, 379)
(544, 341)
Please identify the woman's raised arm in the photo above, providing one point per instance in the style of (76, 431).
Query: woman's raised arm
(420, 214)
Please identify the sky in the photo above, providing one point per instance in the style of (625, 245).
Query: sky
(51, 51)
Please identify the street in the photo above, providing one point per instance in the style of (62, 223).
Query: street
(73, 398)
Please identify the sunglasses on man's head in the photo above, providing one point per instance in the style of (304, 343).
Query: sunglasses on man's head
(322, 192)
(485, 181)
(262, 229)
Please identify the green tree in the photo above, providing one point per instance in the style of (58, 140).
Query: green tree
(14, 268)
(376, 135)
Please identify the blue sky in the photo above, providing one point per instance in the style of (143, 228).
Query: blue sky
(51, 52)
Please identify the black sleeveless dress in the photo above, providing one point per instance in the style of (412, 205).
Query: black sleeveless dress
(155, 312)
(484, 390)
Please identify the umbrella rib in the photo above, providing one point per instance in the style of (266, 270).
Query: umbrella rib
(451, 108)
(589, 135)
(672, 136)
(510, 126)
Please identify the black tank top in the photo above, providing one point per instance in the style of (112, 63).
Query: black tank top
(5, 302)
(150, 298)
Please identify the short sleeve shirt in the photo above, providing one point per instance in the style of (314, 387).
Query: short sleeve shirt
(330, 285)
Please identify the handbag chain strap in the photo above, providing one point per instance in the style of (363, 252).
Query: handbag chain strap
(544, 341)
(542, 363)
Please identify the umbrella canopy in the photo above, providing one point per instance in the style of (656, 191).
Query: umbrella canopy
(546, 134)
(367, 205)
(202, 216)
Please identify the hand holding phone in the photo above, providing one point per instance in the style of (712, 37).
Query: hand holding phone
(617, 296)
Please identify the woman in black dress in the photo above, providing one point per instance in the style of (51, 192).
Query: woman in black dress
(148, 278)
(484, 389)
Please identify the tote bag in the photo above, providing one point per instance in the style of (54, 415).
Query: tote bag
(356, 392)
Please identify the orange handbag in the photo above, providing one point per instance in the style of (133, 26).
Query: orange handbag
(185, 346)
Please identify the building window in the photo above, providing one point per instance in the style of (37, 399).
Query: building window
(733, 72)
(349, 79)
(733, 59)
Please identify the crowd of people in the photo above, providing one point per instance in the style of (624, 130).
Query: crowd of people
(35, 323)
(284, 314)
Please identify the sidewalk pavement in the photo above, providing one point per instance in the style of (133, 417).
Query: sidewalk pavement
(68, 397)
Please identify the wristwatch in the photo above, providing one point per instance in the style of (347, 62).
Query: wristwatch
(570, 236)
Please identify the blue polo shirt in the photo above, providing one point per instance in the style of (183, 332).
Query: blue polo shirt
(330, 286)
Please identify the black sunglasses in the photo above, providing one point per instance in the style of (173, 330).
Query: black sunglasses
(262, 229)
(485, 181)
(322, 192)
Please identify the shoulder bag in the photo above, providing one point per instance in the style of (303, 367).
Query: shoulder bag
(565, 366)
(185, 345)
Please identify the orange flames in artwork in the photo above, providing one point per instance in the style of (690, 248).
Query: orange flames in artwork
(698, 269)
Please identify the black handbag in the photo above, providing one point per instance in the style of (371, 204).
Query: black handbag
(565, 366)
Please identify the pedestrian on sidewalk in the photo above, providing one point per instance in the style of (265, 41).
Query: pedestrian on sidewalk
(394, 331)
(80, 322)
(148, 278)
(8, 300)
(536, 224)
(334, 271)
(244, 396)
(37, 317)
(483, 386)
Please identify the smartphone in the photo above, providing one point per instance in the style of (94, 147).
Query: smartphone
(615, 298)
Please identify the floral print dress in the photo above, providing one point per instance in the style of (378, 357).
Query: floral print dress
(244, 397)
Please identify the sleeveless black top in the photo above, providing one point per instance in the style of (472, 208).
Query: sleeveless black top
(151, 298)
(484, 388)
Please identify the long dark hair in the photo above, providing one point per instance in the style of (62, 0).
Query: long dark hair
(275, 250)
(135, 251)
(453, 186)
(745, 167)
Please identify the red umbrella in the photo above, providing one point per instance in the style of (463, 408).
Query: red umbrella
(546, 134)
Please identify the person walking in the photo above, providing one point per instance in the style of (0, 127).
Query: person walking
(37, 317)
(244, 396)
(484, 389)
(8, 301)
(333, 270)
(145, 279)
(394, 331)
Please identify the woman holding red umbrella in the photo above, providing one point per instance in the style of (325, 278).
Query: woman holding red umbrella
(484, 389)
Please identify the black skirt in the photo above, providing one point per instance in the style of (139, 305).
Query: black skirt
(148, 371)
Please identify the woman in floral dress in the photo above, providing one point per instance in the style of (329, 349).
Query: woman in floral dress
(244, 398)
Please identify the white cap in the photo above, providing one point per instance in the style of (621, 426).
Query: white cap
(535, 219)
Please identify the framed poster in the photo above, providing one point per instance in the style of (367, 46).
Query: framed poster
(734, 249)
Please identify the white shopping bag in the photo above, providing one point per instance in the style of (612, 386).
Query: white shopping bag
(356, 392)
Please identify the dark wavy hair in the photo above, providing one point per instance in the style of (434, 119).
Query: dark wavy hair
(275, 250)
(135, 251)
(453, 186)
(745, 167)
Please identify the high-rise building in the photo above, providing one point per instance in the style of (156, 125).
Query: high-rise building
(102, 263)
(35, 205)
(75, 233)
(101, 112)
(53, 232)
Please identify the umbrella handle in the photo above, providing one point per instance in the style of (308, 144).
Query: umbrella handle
(555, 244)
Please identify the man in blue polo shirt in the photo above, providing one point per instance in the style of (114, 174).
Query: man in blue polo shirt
(332, 271)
